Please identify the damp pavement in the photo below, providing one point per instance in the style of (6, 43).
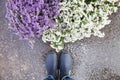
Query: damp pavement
(94, 58)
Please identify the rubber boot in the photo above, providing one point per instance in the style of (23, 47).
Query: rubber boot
(51, 64)
(65, 65)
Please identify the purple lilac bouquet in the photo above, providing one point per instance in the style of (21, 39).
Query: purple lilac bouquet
(30, 18)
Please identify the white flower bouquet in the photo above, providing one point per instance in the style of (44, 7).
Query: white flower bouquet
(79, 19)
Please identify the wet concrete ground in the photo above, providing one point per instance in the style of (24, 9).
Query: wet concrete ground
(94, 58)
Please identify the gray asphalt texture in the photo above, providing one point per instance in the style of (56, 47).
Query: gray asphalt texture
(94, 58)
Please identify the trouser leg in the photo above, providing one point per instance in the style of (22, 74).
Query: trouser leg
(49, 78)
(67, 78)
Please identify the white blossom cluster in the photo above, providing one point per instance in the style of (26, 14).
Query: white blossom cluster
(79, 19)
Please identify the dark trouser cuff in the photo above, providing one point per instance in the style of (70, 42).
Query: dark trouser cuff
(66, 78)
(49, 77)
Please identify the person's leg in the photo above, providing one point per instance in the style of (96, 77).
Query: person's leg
(49, 77)
(67, 78)
(51, 66)
(65, 66)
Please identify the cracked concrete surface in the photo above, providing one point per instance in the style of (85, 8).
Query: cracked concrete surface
(94, 58)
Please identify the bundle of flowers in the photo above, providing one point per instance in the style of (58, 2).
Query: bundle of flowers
(30, 18)
(59, 21)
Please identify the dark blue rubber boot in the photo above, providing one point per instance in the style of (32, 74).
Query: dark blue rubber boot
(51, 65)
(65, 66)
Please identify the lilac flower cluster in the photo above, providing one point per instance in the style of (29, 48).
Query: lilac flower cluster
(30, 18)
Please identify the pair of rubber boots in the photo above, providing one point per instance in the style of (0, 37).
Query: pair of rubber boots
(63, 66)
